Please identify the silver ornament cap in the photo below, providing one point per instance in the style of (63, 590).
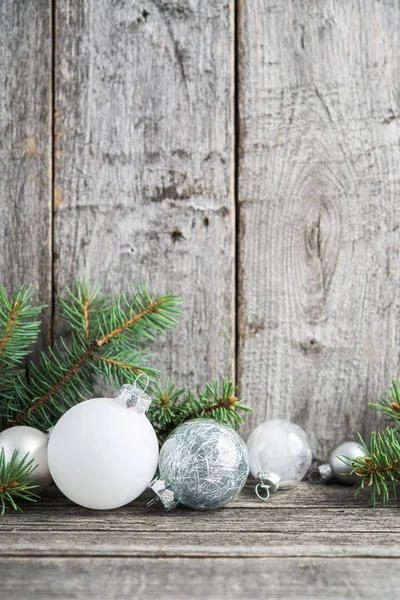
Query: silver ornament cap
(164, 494)
(28, 439)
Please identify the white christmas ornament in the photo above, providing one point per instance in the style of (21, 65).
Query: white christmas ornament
(279, 455)
(28, 439)
(103, 452)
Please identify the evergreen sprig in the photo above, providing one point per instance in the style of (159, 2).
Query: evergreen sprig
(172, 406)
(19, 328)
(17, 481)
(389, 403)
(104, 341)
(379, 469)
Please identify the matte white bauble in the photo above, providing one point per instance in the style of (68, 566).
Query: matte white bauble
(103, 452)
(28, 439)
(279, 455)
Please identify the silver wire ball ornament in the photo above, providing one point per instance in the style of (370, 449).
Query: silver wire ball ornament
(203, 465)
(28, 439)
(336, 468)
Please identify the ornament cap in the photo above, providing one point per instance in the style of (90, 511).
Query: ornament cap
(268, 484)
(320, 474)
(134, 396)
(163, 494)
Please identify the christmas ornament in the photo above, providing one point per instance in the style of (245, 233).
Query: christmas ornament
(28, 439)
(203, 465)
(103, 452)
(336, 468)
(279, 455)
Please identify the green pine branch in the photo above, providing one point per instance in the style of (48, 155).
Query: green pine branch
(104, 342)
(379, 469)
(16, 481)
(389, 403)
(19, 328)
(172, 406)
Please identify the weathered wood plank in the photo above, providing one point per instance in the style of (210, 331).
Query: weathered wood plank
(211, 578)
(139, 542)
(144, 167)
(25, 146)
(319, 211)
(306, 521)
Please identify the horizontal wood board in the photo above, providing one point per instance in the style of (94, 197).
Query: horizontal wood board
(304, 541)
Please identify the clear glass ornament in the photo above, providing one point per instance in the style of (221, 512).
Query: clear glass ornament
(103, 452)
(279, 455)
(203, 465)
(28, 439)
(336, 468)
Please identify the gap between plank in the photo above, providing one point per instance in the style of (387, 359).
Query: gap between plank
(236, 145)
(52, 161)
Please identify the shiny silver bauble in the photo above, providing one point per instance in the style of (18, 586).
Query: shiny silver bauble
(341, 470)
(28, 439)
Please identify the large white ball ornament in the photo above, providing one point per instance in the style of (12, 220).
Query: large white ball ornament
(279, 455)
(28, 439)
(103, 452)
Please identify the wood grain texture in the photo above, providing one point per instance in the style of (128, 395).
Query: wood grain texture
(311, 541)
(25, 144)
(207, 578)
(319, 212)
(305, 521)
(143, 173)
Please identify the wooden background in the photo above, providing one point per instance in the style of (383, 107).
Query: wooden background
(244, 155)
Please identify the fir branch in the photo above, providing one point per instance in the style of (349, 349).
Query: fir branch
(389, 403)
(103, 342)
(16, 481)
(379, 469)
(19, 328)
(173, 406)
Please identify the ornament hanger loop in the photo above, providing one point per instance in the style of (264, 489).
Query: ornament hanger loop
(266, 493)
(142, 374)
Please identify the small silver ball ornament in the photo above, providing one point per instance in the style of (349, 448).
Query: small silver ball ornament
(336, 468)
(341, 470)
(203, 465)
(28, 439)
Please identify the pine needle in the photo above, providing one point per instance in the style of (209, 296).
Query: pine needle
(172, 406)
(16, 481)
(108, 338)
(379, 469)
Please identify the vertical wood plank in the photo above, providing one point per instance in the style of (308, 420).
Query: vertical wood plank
(25, 96)
(319, 211)
(143, 172)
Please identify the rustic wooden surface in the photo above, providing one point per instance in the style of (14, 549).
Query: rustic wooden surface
(319, 220)
(312, 541)
(144, 163)
(25, 148)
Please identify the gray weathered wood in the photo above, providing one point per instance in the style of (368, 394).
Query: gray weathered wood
(144, 172)
(211, 578)
(25, 136)
(319, 211)
(306, 521)
(311, 541)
